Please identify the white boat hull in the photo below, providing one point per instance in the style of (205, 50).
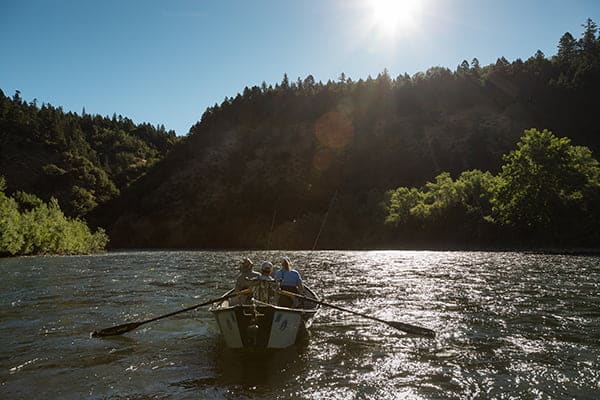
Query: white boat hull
(257, 325)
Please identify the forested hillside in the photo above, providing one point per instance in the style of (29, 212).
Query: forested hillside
(263, 168)
(81, 160)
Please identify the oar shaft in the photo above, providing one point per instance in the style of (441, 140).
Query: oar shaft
(286, 293)
(350, 311)
(120, 329)
(246, 291)
(398, 325)
(185, 309)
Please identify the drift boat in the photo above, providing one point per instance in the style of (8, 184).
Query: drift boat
(254, 318)
(256, 321)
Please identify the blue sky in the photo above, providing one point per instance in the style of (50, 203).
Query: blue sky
(164, 62)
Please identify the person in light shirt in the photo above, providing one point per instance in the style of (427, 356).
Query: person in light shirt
(246, 275)
(264, 289)
(244, 281)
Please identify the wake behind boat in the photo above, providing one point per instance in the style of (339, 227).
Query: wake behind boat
(256, 321)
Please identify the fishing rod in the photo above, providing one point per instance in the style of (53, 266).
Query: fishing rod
(271, 230)
(324, 221)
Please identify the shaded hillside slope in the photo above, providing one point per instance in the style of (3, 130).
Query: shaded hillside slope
(261, 169)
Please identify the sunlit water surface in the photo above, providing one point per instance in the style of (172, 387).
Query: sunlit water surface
(510, 326)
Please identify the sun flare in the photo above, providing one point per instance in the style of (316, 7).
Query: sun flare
(394, 16)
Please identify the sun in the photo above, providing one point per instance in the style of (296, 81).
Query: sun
(396, 16)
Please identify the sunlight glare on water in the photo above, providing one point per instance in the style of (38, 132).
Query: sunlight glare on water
(509, 326)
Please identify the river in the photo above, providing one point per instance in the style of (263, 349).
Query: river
(510, 326)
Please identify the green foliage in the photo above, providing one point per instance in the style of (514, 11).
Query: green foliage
(83, 200)
(27, 201)
(30, 226)
(544, 183)
(52, 170)
(446, 209)
(48, 152)
(400, 204)
(11, 236)
(546, 193)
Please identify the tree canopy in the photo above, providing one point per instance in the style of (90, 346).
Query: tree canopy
(81, 160)
(546, 193)
(547, 187)
(30, 226)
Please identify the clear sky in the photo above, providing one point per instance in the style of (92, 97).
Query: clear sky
(164, 62)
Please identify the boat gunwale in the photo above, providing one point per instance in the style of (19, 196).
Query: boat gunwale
(217, 307)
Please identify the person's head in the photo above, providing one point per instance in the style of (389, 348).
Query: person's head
(246, 265)
(286, 263)
(266, 268)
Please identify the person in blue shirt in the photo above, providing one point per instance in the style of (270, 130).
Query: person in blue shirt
(290, 281)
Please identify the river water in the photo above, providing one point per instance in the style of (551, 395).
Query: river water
(510, 326)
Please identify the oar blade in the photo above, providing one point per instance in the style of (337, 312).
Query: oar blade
(124, 328)
(413, 329)
(116, 330)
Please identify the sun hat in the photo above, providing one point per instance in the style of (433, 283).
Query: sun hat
(246, 263)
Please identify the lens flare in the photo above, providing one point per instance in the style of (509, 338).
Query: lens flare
(394, 16)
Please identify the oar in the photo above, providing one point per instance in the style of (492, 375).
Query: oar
(408, 328)
(121, 329)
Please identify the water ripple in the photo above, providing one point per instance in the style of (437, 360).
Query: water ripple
(510, 326)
